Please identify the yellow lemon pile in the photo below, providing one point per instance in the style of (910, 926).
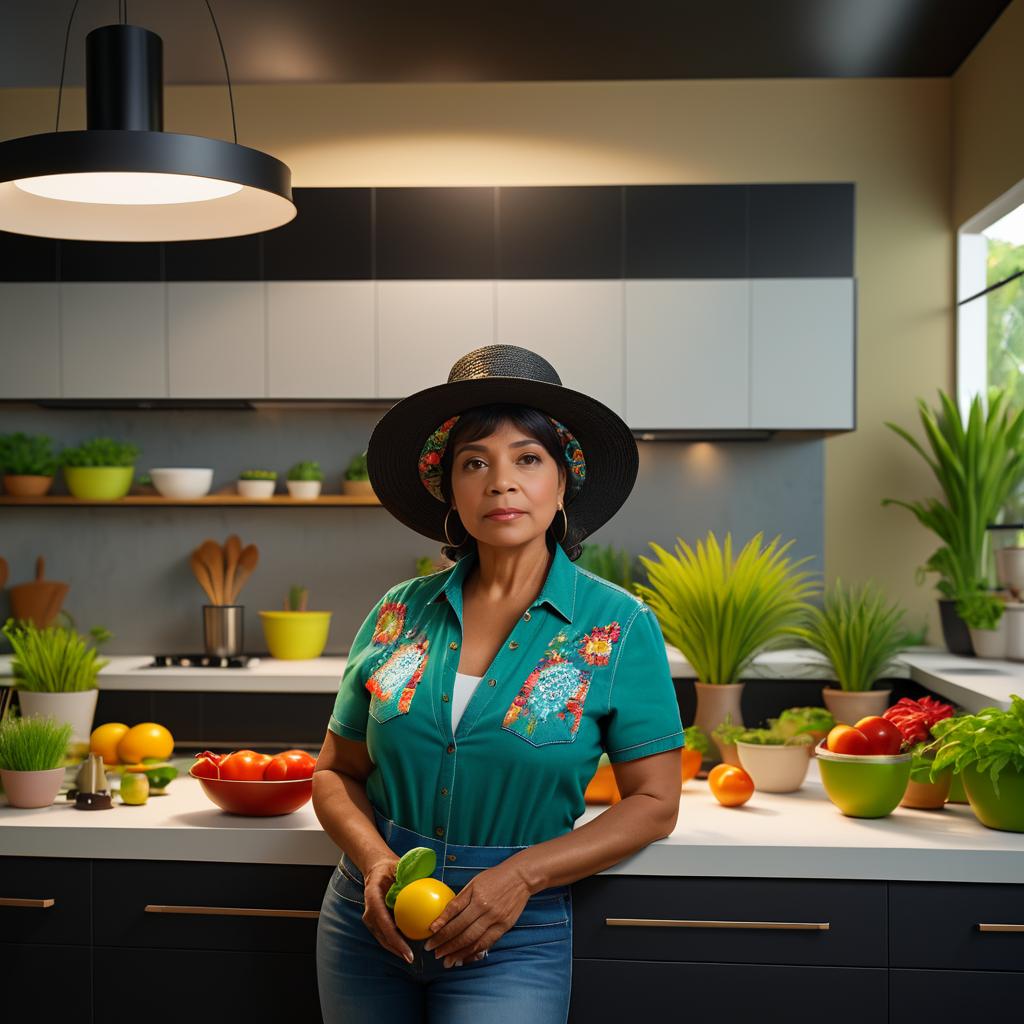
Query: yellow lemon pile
(121, 744)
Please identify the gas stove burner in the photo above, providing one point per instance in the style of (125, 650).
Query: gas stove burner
(203, 661)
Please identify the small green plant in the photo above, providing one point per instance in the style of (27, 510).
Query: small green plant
(100, 452)
(424, 565)
(297, 600)
(33, 744)
(802, 721)
(722, 612)
(857, 631)
(27, 455)
(991, 740)
(258, 474)
(772, 738)
(694, 738)
(610, 563)
(726, 732)
(306, 471)
(55, 659)
(980, 610)
(356, 469)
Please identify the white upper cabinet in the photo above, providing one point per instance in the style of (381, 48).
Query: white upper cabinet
(575, 325)
(216, 338)
(114, 339)
(29, 340)
(688, 354)
(321, 339)
(424, 326)
(802, 354)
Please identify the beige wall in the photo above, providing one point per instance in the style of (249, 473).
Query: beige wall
(889, 136)
(988, 145)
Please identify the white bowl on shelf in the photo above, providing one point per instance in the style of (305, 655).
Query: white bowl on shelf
(182, 484)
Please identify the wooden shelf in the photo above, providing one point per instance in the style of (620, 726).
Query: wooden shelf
(210, 500)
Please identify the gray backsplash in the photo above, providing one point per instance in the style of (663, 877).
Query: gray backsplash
(128, 567)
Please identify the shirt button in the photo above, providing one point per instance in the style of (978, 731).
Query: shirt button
(492, 682)
(444, 697)
(512, 645)
(451, 747)
(444, 791)
(454, 645)
(438, 831)
(451, 856)
(526, 615)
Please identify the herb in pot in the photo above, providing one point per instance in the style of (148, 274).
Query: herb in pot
(726, 732)
(356, 469)
(100, 452)
(33, 744)
(27, 455)
(258, 474)
(306, 471)
(54, 659)
(809, 720)
(991, 740)
(980, 610)
(770, 737)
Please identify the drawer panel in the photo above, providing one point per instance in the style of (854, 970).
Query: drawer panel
(953, 995)
(193, 897)
(182, 985)
(47, 983)
(731, 920)
(610, 992)
(937, 925)
(57, 892)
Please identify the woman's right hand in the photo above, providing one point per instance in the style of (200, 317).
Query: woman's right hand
(377, 880)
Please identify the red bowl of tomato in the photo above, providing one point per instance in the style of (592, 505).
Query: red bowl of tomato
(258, 785)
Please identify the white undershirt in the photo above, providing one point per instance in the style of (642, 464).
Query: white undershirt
(463, 690)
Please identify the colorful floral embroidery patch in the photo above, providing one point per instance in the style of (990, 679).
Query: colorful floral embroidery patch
(549, 706)
(393, 683)
(390, 620)
(433, 450)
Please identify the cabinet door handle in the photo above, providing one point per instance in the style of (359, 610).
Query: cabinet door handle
(786, 926)
(1001, 928)
(161, 908)
(14, 901)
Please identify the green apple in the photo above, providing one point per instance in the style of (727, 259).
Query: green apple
(134, 788)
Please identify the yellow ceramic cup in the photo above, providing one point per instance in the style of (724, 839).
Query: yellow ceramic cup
(295, 636)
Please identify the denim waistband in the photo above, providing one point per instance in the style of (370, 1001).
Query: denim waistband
(456, 862)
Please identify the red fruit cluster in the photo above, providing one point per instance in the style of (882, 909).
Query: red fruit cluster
(915, 718)
(250, 766)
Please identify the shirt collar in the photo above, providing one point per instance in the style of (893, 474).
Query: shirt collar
(559, 590)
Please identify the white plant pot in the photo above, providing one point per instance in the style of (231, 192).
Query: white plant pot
(775, 768)
(990, 643)
(182, 484)
(849, 706)
(32, 789)
(306, 490)
(1013, 616)
(78, 708)
(1010, 568)
(256, 488)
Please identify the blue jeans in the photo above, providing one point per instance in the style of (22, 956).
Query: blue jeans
(527, 974)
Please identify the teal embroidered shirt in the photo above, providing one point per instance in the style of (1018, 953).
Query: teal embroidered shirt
(584, 670)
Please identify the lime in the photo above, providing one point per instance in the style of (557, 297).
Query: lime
(134, 788)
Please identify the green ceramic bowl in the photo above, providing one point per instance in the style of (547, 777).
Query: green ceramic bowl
(865, 785)
(99, 483)
(1005, 811)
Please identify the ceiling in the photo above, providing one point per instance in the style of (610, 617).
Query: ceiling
(529, 40)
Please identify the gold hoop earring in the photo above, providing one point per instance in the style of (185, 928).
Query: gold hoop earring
(452, 543)
(565, 518)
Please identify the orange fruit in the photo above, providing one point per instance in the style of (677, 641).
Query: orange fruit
(147, 739)
(104, 740)
(730, 785)
(418, 903)
(691, 763)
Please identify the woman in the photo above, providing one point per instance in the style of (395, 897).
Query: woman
(476, 703)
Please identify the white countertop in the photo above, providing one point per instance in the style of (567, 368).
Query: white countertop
(794, 835)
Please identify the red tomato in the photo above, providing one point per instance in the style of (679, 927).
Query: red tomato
(290, 764)
(207, 765)
(244, 766)
(845, 739)
(884, 737)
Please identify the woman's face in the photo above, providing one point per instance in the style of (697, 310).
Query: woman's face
(507, 469)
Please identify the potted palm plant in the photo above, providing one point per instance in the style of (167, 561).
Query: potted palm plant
(55, 672)
(721, 612)
(978, 465)
(28, 464)
(357, 478)
(859, 636)
(99, 469)
(32, 754)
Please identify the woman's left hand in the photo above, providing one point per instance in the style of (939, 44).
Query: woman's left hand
(487, 906)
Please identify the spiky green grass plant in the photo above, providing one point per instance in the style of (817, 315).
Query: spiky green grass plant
(33, 744)
(53, 660)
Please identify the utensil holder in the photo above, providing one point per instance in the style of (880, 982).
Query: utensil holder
(223, 629)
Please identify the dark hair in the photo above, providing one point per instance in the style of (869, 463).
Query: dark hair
(482, 421)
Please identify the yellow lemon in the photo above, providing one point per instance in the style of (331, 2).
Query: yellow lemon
(134, 789)
(104, 740)
(147, 739)
(418, 903)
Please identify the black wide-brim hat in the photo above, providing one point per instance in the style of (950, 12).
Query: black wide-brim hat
(505, 374)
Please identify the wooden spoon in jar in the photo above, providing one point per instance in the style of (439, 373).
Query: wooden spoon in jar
(213, 558)
(202, 574)
(232, 552)
(247, 561)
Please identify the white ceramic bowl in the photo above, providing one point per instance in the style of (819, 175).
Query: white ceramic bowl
(182, 483)
(774, 767)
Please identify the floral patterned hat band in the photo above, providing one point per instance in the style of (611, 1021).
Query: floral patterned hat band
(433, 450)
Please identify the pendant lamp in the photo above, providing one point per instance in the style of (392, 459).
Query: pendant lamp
(124, 179)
